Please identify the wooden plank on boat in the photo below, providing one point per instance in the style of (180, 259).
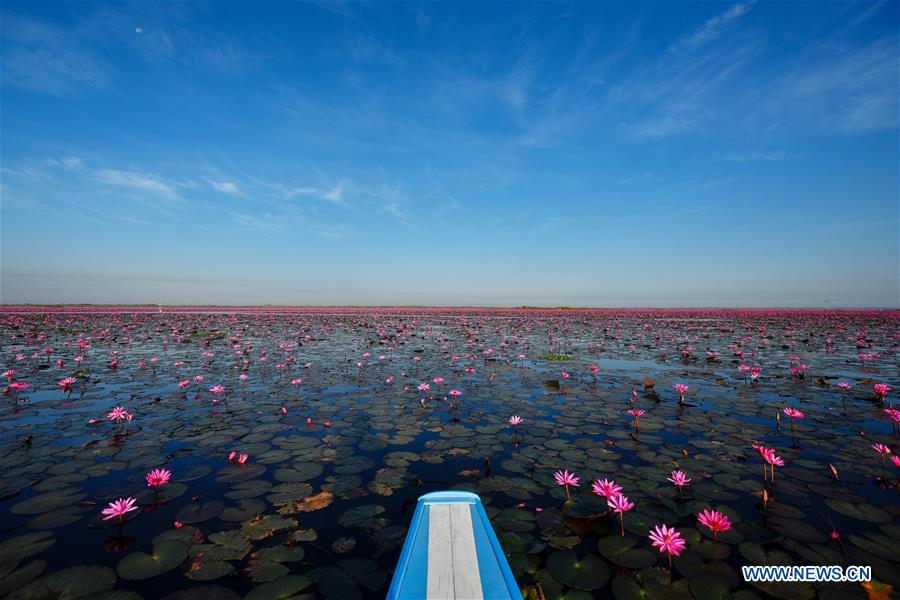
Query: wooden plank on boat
(466, 576)
(452, 553)
(440, 552)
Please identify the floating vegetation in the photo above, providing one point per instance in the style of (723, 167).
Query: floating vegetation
(278, 453)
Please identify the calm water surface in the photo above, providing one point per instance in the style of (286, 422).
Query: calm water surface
(320, 509)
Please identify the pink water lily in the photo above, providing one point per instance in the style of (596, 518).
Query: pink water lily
(565, 478)
(793, 413)
(636, 413)
(158, 477)
(618, 503)
(240, 458)
(67, 383)
(119, 415)
(769, 458)
(667, 540)
(606, 488)
(680, 480)
(715, 521)
(883, 450)
(119, 508)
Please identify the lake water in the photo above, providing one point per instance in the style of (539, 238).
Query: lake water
(336, 461)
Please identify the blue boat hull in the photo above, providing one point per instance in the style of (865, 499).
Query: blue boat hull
(461, 561)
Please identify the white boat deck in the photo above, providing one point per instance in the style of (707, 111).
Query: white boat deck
(452, 559)
(452, 553)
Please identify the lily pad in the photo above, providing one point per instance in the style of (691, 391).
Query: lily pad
(361, 516)
(43, 503)
(317, 502)
(862, 512)
(623, 552)
(587, 573)
(165, 557)
(197, 512)
(207, 571)
(264, 526)
(281, 589)
(23, 546)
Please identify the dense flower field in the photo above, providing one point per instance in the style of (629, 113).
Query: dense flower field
(276, 452)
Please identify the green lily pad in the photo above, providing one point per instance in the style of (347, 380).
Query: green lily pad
(239, 473)
(15, 579)
(265, 526)
(317, 502)
(197, 512)
(281, 554)
(281, 589)
(622, 551)
(877, 544)
(203, 592)
(58, 518)
(365, 572)
(166, 493)
(207, 571)
(710, 586)
(862, 512)
(588, 573)
(304, 535)
(246, 509)
(78, 581)
(361, 516)
(140, 565)
(248, 489)
(23, 546)
(48, 501)
(336, 584)
(263, 571)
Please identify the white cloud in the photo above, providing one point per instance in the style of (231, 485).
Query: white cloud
(144, 182)
(394, 209)
(226, 187)
(42, 58)
(333, 194)
(71, 162)
(757, 156)
(714, 26)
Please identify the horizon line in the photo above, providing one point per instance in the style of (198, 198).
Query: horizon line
(155, 305)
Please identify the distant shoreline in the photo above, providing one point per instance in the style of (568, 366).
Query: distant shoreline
(417, 308)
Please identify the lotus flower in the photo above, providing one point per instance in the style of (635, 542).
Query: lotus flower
(667, 540)
(715, 521)
(565, 478)
(158, 477)
(119, 508)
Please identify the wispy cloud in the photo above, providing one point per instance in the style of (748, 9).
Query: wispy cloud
(853, 89)
(333, 194)
(261, 223)
(391, 200)
(757, 156)
(46, 58)
(714, 27)
(394, 209)
(41, 57)
(147, 184)
(226, 187)
(24, 171)
(144, 182)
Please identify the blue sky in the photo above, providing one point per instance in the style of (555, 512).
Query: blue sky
(608, 154)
